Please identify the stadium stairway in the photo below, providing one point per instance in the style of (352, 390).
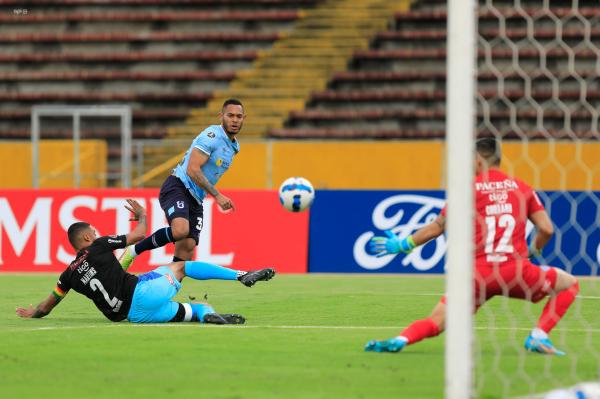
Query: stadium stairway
(282, 79)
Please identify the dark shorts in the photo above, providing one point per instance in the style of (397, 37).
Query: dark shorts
(177, 202)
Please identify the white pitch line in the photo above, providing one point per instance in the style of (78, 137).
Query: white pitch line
(196, 325)
(441, 293)
(279, 327)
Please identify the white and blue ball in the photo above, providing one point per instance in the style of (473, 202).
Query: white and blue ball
(296, 194)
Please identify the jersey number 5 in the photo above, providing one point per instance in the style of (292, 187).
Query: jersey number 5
(504, 244)
(115, 303)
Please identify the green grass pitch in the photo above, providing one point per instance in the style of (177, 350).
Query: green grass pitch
(304, 338)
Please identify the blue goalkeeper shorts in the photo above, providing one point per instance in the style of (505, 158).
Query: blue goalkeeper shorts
(151, 301)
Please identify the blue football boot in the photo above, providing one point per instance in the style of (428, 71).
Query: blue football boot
(542, 346)
(389, 345)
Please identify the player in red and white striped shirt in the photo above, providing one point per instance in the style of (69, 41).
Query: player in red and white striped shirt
(503, 206)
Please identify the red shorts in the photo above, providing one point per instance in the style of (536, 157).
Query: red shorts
(515, 279)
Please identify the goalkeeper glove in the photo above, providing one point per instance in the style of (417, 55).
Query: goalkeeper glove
(391, 244)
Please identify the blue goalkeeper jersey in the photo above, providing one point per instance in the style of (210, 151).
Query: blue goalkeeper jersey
(213, 141)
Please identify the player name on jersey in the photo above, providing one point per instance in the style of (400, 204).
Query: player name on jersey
(498, 209)
(91, 272)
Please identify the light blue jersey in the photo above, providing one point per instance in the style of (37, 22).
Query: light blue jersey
(213, 141)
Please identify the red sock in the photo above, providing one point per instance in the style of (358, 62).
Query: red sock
(420, 330)
(556, 307)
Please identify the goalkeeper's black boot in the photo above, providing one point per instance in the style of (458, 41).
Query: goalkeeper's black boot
(223, 318)
(250, 278)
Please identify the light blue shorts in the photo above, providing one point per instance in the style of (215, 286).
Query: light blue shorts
(151, 301)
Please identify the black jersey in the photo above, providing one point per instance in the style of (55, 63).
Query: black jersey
(97, 274)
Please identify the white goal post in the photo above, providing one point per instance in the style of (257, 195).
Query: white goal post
(460, 130)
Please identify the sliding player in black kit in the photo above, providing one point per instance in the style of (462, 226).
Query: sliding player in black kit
(147, 298)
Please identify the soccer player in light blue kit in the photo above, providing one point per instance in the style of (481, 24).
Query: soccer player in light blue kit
(182, 193)
(147, 298)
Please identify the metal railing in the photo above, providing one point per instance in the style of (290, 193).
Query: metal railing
(144, 174)
(123, 112)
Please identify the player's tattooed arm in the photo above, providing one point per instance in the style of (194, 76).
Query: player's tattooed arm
(41, 310)
(430, 231)
(194, 171)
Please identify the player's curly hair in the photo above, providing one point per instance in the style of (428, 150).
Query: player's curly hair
(74, 231)
(489, 149)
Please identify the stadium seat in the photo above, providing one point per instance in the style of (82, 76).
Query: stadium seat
(145, 16)
(355, 133)
(196, 4)
(513, 34)
(96, 37)
(440, 54)
(112, 57)
(103, 133)
(54, 75)
(162, 57)
(506, 12)
(102, 96)
(397, 85)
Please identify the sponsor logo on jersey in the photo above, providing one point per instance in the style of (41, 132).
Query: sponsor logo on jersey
(114, 241)
(79, 260)
(498, 196)
(219, 162)
(496, 185)
(211, 135)
(83, 267)
(168, 276)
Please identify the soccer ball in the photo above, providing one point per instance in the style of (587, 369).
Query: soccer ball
(296, 194)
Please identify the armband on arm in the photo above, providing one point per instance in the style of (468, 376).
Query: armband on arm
(58, 293)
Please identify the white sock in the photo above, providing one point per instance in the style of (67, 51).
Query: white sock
(132, 251)
(401, 338)
(538, 333)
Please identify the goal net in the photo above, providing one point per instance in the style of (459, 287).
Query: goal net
(538, 92)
